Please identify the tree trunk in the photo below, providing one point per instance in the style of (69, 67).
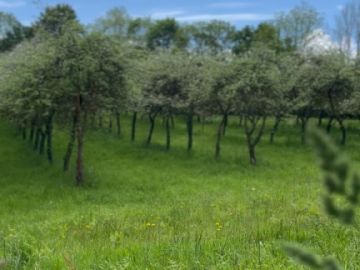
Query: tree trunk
(49, 131)
(189, 125)
(168, 132)
(24, 133)
(118, 124)
(225, 125)
(110, 123)
(321, 116)
(151, 129)
(70, 144)
(32, 132)
(252, 155)
(218, 139)
(329, 125)
(133, 126)
(42, 142)
(80, 142)
(100, 121)
(37, 139)
(275, 128)
(343, 131)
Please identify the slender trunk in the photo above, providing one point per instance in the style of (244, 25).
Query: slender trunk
(110, 123)
(118, 124)
(24, 135)
(42, 142)
(168, 132)
(100, 121)
(225, 125)
(70, 144)
(189, 125)
(275, 128)
(49, 131)
(32, 132)
(37, 139)
(252, 155)
(80, 142)
(321, 116)
(151, 129)
(218, 139)
(329, 125)
(133, 126)
(343, 131)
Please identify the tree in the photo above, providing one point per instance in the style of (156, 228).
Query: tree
(243, 40)
(166, 34)
(297, 24)
(55, 19)
(12, 32)
(114, 23)
(95, 78)
(212, 37)
(256, 91)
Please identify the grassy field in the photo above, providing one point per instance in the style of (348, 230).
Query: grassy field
(146, 208)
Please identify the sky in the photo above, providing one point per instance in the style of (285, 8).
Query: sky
(238, 12)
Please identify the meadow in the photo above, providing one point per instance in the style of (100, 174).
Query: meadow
(148, 208)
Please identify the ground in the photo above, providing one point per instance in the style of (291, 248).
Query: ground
(146, 208)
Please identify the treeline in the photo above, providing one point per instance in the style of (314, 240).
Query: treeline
(60, 71)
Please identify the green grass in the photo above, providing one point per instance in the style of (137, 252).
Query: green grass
(146, 208)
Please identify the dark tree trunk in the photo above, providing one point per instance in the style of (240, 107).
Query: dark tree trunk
(189, 125)
(70, 144)
(133, 126)
(168, 132)
(275, 128)
(252, 140)
(32, 132)
(118, 124)
(321, 117)
(37, 139)
(110, 123)
(151, 129)
(101, 121)
(42, 142)
(218, 138)
(24, 135)
(49, 132)
(80, 142)
(225, 125)
(343, 131)
(329, 125)
(252, 155)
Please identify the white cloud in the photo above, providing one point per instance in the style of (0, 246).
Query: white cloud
(12, 4)
(230, 4)
(233, 17)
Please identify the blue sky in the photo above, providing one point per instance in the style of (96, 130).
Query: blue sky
(239, 12)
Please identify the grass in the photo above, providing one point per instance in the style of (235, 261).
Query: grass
(146, 208)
